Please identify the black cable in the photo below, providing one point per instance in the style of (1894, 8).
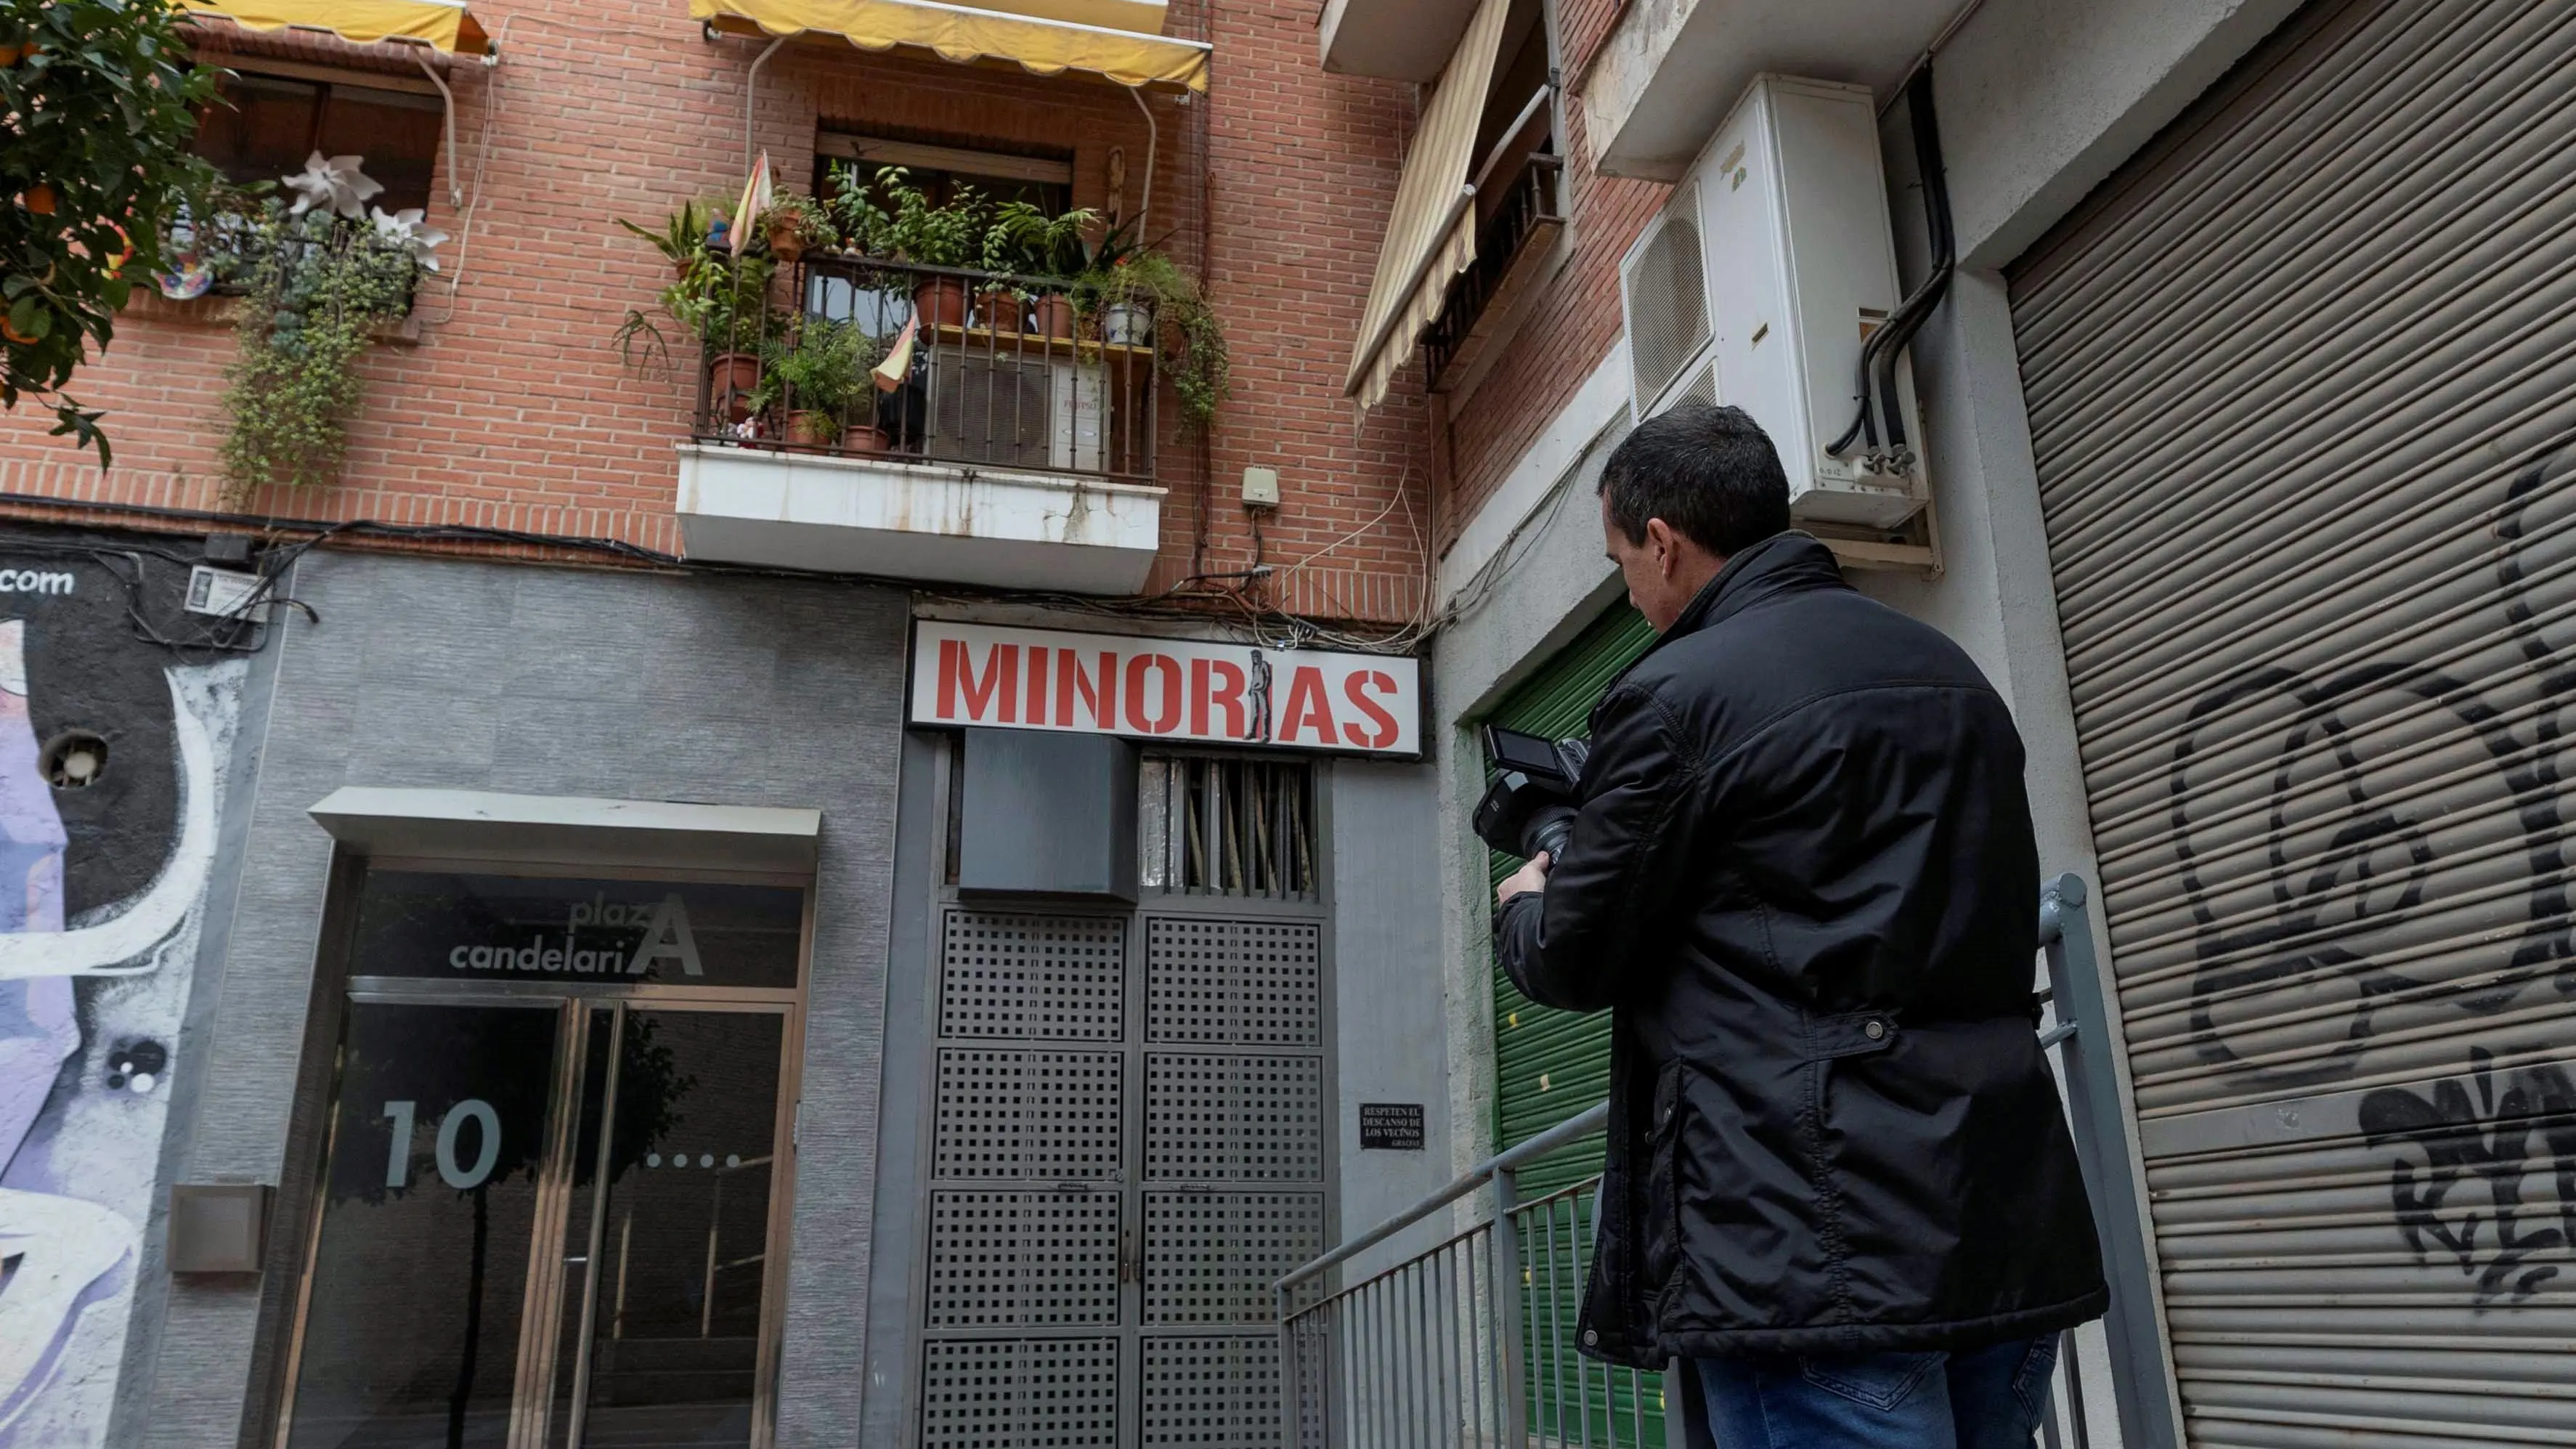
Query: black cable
(1878, 395)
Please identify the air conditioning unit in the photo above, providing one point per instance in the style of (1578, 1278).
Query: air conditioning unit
(1010, 410)
(1759, 283)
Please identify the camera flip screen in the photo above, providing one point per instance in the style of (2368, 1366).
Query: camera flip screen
(1513, 750)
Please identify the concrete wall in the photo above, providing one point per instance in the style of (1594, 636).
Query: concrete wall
(552, 681)
(1390, 994)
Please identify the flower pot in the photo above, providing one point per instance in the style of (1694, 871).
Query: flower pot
(1054, 315)
(730, 378)
(869, 439)
(940, 302)
(1124, 324)
(785, 245)
(998, 308)
(808, 428)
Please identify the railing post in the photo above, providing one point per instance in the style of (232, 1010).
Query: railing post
(2141, 1371)
(1291, 1381)
(1512, 1410)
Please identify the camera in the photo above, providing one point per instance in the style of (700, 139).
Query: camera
(1531, 803)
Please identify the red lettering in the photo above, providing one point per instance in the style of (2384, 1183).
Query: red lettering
(1166, 719)
(1037, 711)
(1309, 707)
(1099, 692)
(1355, 688)
(1001, 678)
(1227, 695)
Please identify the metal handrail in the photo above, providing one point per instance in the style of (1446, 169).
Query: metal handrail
(1465, 1361)
(1571, 1130)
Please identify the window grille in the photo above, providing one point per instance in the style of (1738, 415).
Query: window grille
(1228, 827)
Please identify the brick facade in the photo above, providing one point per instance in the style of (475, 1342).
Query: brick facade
(512, 410)
(1574, 321)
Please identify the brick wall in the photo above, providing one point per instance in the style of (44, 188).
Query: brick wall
(512, 410)
(1574, 321)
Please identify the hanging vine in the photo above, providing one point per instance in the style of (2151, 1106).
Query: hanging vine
(318, 288)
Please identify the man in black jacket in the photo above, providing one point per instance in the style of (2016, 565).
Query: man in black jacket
(1803, 882)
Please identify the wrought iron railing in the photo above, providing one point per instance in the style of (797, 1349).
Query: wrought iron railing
(1004, 372)
(1471, 1344)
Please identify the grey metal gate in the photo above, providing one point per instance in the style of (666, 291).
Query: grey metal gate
(2299, 383)
(1128, 1146)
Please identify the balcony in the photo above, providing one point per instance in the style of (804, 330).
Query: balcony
(1519, 218)
(922, 422)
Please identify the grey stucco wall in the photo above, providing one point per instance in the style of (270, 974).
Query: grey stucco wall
(557, 681)
(1391, 996)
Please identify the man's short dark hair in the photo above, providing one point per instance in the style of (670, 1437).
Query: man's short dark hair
(1710, 473)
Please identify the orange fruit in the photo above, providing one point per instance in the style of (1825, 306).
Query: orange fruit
(39, 199)
(9, 53)
(14, 335)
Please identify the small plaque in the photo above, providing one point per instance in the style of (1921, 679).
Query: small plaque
(1393, 1126)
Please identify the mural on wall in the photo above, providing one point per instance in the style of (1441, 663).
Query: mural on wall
(113, 746)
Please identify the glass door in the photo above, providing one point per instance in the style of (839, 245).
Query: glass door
(548, 1208)
(431, 1196)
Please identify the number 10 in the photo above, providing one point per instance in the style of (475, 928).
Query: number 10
(487, 1148)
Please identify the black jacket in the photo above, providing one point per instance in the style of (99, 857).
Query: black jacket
(1804, 883)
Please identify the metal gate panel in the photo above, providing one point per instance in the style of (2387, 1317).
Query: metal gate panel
(1215, 1254)
(1022, 976)
(1029, 1114)
(1219, 1392)
(1057, 1393)
(1236, 983)
(2299, 391)
(1023, 1259)
(1234, 1118)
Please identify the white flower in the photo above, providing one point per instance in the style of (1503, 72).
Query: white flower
(403, 229)
(334, 183)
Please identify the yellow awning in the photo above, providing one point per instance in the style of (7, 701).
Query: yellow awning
(1046, 37)
(443, 23)
(1431, 233)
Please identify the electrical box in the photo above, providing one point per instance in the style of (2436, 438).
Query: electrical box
(1757, 286)
(218, 1227)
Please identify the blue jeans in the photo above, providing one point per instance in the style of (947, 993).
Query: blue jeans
(1986, 1398)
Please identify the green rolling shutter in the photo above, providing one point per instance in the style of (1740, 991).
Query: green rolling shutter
(1550, 1065)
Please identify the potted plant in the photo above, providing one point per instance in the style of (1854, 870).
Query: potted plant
(685, 236)
(723, 301)
(866, 227)
(1025, 240)
(819, 377)
(934, 236)
(1179, 321)
(795, 224)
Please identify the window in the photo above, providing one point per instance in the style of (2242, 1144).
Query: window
(1228, 827)
(941, 171)
(265, 126)
(1519, 212)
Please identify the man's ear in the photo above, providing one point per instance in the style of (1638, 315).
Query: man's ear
(1667, 547)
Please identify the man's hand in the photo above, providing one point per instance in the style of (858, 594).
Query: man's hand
(1532, 876)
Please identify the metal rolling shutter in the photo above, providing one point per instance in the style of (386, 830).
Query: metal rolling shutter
(1548, 1064)
(2300, 384)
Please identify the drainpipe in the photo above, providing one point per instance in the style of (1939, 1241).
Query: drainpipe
(447, 98)
(750, 93)
(1153, 138)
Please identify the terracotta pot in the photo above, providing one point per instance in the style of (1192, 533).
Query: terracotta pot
(730, 378)
(940, 302)
(1055, 315)
(810, 429)
(870, 439)
(785, 245)
(999, 309)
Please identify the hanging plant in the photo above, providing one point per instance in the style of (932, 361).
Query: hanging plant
(1184, 326)
(318, 289)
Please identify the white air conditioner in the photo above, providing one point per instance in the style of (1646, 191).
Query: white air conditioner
(1012, 410)
(1759, 283)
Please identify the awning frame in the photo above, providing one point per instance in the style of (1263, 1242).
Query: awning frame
(711, 15)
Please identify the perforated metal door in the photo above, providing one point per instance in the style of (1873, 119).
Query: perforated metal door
(2299, 390)
(1128, 1146)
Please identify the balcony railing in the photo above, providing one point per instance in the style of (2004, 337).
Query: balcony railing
(1471, 1344)
(1518, 218)
(1006, 373)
